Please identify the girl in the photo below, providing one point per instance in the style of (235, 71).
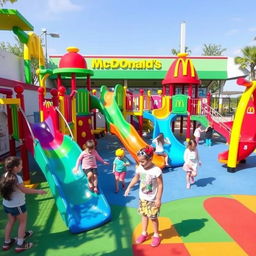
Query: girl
(89, 165)
(13, 193)
(197, 133)
(119, 168)
(159, 142)
(150, 193)
(191, 159)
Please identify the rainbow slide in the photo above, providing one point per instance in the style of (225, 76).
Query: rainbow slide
(56, 154)
(119, 126)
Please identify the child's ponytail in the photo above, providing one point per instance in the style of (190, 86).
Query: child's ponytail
(9, 179)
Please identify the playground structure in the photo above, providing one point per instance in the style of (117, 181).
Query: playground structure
(71, 113)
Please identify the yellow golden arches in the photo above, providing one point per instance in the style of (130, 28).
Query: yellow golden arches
(48, 104)
(250, 110)
(184, 63)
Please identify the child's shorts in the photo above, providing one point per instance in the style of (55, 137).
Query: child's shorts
(189, 168)
(15, 211)
(93, 170)
(120, 175)
(148, 209)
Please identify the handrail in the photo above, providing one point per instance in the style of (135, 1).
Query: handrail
(213, 113)
(27, 122)
(65, 121)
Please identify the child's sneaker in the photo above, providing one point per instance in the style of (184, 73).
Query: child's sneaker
(23, 247)
(7, 246)
(142, 238)
(28, 234)
(155, 241)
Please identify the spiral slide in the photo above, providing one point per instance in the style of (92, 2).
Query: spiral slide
(119, 126)
(56, 155)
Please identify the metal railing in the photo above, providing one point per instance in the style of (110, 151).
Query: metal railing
(65, 121)
(27, 123)
(216, 116)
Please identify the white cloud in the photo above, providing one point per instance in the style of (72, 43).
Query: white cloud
(232, 32)
(60, 6)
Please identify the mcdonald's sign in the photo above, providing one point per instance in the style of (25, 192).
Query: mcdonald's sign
(250, 110)
(179, 104)
(48, 104)
(184, 63)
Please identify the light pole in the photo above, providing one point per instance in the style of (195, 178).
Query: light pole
(54, 35)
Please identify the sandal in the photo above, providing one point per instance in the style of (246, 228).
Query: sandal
(155, 241)
(23, 247)
(7, 246)
(142, 238)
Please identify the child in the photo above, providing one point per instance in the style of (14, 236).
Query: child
(119, 168)
(197, 133)
(159, 142)
(208, 135)
(191, 159)
(88, 158)
(13, 193)
(150, 193)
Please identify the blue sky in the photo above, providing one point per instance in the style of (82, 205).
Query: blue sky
(140, 27)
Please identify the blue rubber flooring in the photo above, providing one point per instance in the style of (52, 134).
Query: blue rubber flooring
(213, 178)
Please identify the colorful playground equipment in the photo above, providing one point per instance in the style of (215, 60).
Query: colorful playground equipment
(66, 123)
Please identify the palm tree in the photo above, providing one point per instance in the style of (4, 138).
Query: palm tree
(248, 60)
(213, 50)
(176, 51)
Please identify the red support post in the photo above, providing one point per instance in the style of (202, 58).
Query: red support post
(88, 83)
(24, 154)
(189, 111)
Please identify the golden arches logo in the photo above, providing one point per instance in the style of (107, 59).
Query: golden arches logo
(179, 104)
(48, 104)
(184, 64)
(250, 110)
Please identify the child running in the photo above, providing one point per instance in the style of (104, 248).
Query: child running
(159, 141)
(13, 193)
(150, 193)
(197, 133)
(191, 159)
(89, 165)
(119, 168)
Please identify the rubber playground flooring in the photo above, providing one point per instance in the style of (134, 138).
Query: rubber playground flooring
(217, 216)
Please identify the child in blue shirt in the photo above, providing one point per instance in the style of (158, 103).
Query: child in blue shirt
(119, 168)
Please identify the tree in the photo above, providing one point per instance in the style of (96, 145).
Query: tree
(213, 50)
(175, 51)
(18, 50)
(248, 60)
(2, 2)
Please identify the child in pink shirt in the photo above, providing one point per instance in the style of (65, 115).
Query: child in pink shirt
(89, 165)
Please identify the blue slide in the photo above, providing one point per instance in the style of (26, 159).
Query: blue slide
(56, 154)
(176, 150)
